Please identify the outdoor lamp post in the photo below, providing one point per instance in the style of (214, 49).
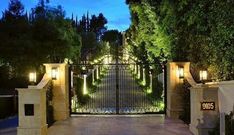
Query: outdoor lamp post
(180, 72)
(85, 91)
(32, 77)
(54, 73)
(151, 83)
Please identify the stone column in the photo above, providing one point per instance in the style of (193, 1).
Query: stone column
(174, 88)
(32, 112)
(60, 90)
(203, 121)
(222, 123)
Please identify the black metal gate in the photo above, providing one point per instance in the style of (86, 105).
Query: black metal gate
(116, 88)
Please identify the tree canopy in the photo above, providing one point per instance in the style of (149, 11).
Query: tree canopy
(40, 36)
(197, 31)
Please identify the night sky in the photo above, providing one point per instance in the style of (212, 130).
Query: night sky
(116, 11)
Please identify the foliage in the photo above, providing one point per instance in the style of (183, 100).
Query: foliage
(113, 40)
(197, 31)
(229, 124)
(186, 115)
(91, 31)
(49, 107)
(30, 39)
(157, 92)
(91, 86)
(82, 99)
(112, 36)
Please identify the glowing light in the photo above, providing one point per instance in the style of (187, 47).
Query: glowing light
(151, 84)
(144, 81)
(161, 105)
(32, 77)
(83, 68)
(149, 91)
(139, 72)
(85, 91)
(54, 73)
(203, 75)
(95, 61)
(97, 73)
(106, 60)
(72, 73)
(93, 80)
(135, 68)
(180, 72)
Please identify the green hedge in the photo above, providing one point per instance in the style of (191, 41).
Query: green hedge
(156, 95)
(82, 99)
(49, 107)
(186, 114)
(157, 87)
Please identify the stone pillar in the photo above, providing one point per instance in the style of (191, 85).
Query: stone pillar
(174, 88)
(226, 102)
(222, 124)
(60, 90)
(32, 112)
(202, 120)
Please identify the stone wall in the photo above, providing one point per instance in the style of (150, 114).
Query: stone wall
(226, 96)
(203, 121)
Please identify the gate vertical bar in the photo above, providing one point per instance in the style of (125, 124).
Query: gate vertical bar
(117, 78)
(165, 87)
(70, 88)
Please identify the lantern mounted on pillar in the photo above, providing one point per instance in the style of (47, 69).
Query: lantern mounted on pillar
(54, 73)
(32, 77)
(203, 75)
(180, 72)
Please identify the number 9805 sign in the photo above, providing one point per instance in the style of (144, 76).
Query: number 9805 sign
(208, 106)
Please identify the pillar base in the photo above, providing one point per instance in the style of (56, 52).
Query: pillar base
(196, 130)
(32, 131)
(174, 113)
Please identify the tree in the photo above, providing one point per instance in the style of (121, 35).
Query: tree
(46, 36)
(55, 33)
(112, 36)
(197, 31)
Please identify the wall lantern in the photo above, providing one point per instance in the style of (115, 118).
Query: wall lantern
(203, 75)
(181, 72)
(32, 77)
(54, 73)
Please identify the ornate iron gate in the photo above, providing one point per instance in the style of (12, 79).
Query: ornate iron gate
(116, 88)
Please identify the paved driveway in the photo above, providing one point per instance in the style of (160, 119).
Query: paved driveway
(120, 125)
(114, 125)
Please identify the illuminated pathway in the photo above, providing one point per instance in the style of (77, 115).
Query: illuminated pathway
(131, 97)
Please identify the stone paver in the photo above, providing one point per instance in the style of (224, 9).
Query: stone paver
(119, 125)
(115, 125)
(8, 131)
